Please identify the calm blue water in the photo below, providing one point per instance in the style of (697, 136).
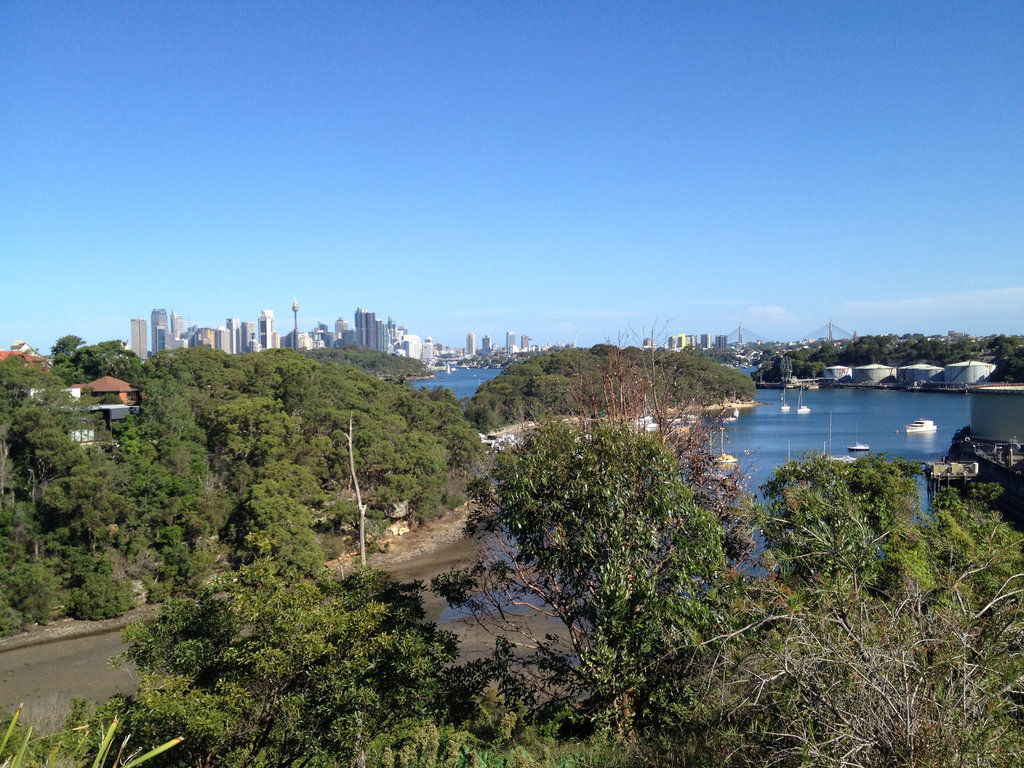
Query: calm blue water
(764, 437)
(462, 381)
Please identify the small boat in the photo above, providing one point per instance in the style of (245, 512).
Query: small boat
(857, 445)
(735, 415)
(800, 407)
(921, 425)
(785, 406)
(723, 457)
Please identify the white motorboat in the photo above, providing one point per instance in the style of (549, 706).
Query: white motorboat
(921, 425)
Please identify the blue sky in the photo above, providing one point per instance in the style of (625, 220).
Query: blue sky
(571, 171)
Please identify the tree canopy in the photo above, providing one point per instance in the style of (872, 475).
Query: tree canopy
(571, 381)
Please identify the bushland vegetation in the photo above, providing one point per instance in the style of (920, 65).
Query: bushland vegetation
(94, 519)
(633, 622)
(570, 380)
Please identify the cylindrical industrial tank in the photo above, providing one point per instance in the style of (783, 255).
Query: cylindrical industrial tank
(920, 373)
(873, 374)
(969, 372)
(997, 412)
(837, 373)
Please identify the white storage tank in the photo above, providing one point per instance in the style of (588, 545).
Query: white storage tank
(969, 372)
(835, 374)
(873, 374)
(997, 412)
(921, 373)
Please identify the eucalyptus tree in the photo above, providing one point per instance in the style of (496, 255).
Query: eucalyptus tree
(603, 575)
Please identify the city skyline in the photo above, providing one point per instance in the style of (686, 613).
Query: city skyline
(166, 329)
(580, 173)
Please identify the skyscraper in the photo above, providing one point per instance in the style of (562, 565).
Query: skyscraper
(470, 344)
(139, 337)
(159, 329)
(248, 335)
(295, 336)
(265, 329)
(223, 338)
(510, 342)
(177, 326)
(234, 326)
(366, 328)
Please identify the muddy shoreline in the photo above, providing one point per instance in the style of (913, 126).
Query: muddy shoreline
(46, 666)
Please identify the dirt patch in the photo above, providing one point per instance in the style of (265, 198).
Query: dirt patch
(46, 666)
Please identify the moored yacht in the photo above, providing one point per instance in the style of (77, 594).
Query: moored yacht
(921, 425)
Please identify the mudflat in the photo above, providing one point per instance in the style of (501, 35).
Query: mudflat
(46, 666)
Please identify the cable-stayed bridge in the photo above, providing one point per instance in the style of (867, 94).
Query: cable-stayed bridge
(829, 332)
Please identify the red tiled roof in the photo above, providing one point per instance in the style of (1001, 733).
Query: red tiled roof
(5, 353)
(109, 384)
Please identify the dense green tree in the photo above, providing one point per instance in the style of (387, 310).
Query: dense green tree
(590, 381)
(888, 636)
(65, 346)
(260, 670)
(604, 572)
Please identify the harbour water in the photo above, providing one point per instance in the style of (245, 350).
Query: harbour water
(462, 381)
(764, 437)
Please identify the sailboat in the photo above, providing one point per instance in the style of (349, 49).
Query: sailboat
(723, 457)
(785, 406)
(857, 445)
(800, 407)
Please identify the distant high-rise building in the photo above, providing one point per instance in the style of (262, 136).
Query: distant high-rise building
(366, 328)
(247, 334)
(390, 335)
(265, 329)
(427, 353)
(485, 345)
(139, 339)
(524, 343)
(411, 346)
(722, 341)
(470, 344)
(234, 327)
(158, 328)
(222, 339)
(510, 342)
(177, 326)
(340, 326)
(203, 337)
(705, 341)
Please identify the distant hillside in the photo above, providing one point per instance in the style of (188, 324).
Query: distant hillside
(371, 361)
(578, 380)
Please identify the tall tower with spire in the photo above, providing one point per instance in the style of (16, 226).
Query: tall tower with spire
(295, 336)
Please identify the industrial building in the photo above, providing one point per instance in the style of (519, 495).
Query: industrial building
(873, 374)
(997, 412)
(968, 373)
(921, 373)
